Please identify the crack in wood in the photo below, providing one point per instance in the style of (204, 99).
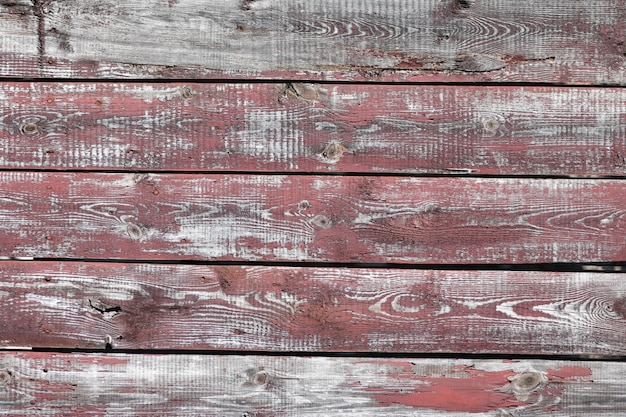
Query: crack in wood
(103, 308)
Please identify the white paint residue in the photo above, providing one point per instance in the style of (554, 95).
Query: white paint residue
(339, 99)
(149, 93)
(270, 135)
(65, 306)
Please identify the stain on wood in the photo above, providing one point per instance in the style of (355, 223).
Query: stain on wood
(346, 219)
(139, 306)
(56, 384)
(451, 40)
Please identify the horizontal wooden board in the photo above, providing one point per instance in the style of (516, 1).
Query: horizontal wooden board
(298, 127)
(146, 306)
(52, 384)
(389, 40)
(311, 218)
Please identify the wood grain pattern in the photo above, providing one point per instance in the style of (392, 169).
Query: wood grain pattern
(281, 309)
(54, 384)
(298, 127)
(311, 218)
(390, 40)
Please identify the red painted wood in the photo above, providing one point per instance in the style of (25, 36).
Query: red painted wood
(314, 128)
(309, 218)
(61, 384)
(281, 309)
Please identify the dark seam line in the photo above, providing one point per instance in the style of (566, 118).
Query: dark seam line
(452, 174)
(308, 81)
(356, 354)
(539, 267)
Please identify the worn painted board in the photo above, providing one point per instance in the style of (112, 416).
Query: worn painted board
(281, 309)
(298, 127)
(311, 218)
(378, 40)
(55, 384)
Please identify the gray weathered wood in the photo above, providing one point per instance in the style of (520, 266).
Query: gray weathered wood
(447, 40)
(139, 306)
(54, 384)
(19, 52)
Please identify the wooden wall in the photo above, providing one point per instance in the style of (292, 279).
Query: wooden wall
(304, 208)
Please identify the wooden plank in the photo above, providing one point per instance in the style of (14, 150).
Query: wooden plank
(311, 218)
(55, 384)
(147, 306)
(299, 127)
(382, 40)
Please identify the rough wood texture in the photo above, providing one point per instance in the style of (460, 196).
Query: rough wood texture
(428, 40)
(18, 38)
(314, 128)
(142, 306)
(309, 218)
(35, 384)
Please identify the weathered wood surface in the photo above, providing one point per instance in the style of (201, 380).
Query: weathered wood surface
(51, 384)
(298, 127)
(389, 40)
(311, 218)
(144, 306)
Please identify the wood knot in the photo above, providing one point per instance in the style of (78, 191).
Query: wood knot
(492, 123)
(135, 232)
(303, 205)
(618, 308)
(256, 377)
(186, 93)
(332, 153)
(322, 221)
(260, 378)
(524, 384)
(5, 376)
(29, 129)
(527, 381)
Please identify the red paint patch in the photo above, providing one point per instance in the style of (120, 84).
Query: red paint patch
(570, 373)
(475, 393)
